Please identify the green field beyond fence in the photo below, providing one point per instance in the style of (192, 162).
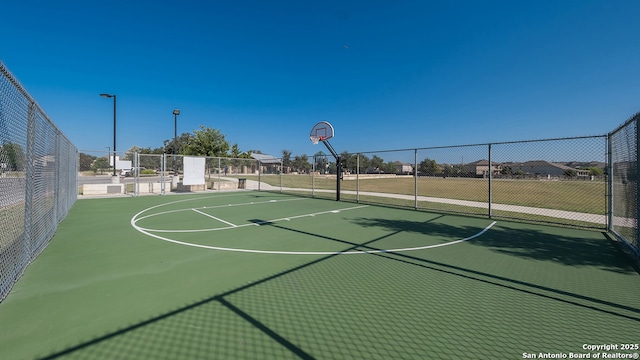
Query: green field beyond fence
(536, 193)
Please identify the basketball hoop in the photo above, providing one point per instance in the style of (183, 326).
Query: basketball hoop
(321, 131)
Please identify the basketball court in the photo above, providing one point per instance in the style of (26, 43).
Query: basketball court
(265, 275)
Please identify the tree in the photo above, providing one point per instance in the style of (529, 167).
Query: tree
(85, 161)
(349, 161)
(235, 151)
(128, 155)
(13, 156)
(447, 170)
(146, 162)
(364, 163)
(428, 167)
(100, 164)
(595, 171)
(286, 160)
(301, 163)
(207, 142)
(389, 167)
(377, 163)
(181, 144)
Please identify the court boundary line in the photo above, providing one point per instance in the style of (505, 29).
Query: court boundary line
(215, 218)
(278, 252)
(288, 218)
(206, 207)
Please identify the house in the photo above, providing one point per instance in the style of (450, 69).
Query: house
(403, 168)
(481, 168)
(549, 169)
(268, 163)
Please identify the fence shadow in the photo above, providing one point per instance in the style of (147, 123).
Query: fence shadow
(561, 246)
(384, 305)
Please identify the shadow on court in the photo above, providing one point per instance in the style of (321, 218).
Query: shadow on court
(388, 305)
(561, 246)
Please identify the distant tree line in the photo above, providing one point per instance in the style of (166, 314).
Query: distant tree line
(205, 141)
(210, 142)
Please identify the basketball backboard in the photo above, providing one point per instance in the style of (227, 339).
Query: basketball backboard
(320, 132)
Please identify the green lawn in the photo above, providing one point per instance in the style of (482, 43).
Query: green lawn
(580, 196)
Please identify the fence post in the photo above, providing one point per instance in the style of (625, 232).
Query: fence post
(56, 178)
(637, 154)
(281, 172)
(490, 181)
(358, 177)
(259, 173)
(163, 169)
(30, 175)
(609, 183)
(138, 169)
(313, 178)
(415, 178)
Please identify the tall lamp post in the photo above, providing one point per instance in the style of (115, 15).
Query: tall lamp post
(114, 129)
(176, 112)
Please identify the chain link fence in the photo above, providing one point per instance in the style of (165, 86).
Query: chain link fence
(144, 174)
(162, 174)
(38, 176)
(587, 182)
(558, 181)
(623, 167)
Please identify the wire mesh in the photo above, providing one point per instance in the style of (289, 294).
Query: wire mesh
(554, 181)
(38, 179)
(150, 175)
(220, 173)
(561, 181)
(623, 144)
(454, 179)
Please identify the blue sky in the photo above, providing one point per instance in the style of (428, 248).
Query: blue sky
(386, 74)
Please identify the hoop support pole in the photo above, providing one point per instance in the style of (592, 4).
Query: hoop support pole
(338, 167)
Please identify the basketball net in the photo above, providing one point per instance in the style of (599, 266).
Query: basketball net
(314, 139)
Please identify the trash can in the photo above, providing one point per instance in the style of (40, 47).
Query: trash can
(242, 183)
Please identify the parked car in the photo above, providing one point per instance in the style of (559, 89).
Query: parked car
(129, 172)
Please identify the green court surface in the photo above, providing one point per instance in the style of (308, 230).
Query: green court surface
(256, 275)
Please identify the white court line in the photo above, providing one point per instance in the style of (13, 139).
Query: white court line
(205, 207)
(213, 217)
(244, 225)
(355, 252)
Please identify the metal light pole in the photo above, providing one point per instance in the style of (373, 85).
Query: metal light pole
(108, 154)
(176, 112)
(114, 129)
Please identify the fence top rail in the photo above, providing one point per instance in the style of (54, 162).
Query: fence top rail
(486, 144)
(203, 156)
(635, 117)
(14, 81)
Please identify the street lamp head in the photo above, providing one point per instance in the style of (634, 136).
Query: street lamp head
(176, 111)
(107, 95)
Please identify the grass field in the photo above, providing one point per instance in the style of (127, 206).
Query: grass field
(250, 275)
(580, 196)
